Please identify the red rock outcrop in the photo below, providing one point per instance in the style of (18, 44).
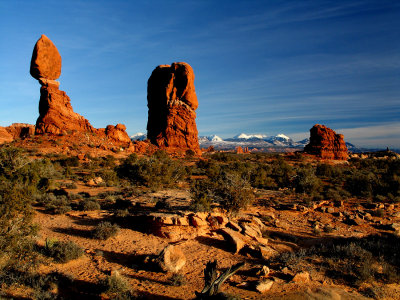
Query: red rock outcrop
(117, 133)
(16, 131)
(172, 102)
(325, 143)
(56, 115)
(5, 136)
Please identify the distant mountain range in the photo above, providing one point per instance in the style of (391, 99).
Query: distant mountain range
(255, 142)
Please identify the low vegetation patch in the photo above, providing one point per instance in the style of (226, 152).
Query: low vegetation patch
(62, 251)
(105, 230)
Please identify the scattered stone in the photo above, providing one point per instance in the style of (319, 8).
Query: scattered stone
(198, 220)
(266, 252)
(301, 277)
(171, 259)
(234, 226)
(221, 219)
(251, 231)
(234, 238)
(262, 271)
(264, 285)
(330, 210)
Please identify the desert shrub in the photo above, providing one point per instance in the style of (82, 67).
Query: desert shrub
(108, 161)
(352, 260)
(202, 193)
(360, 183)
(71, 185)
(116, 287)
(62, 251)
(105, 230)
(224, 156)
(110, 177)
(156, 171)
(121, 213)
(261, 177)
(307, 182)
(230, 190)
(89, 204)
(19, 178)
(177, 279)
(283, 173)
(72, 161)
(57, 205)
(333, 194)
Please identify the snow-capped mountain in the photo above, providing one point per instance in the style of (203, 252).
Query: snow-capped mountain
(279, 142)
(210, 138)
(261, 142)
(244, 136)
(139, 136)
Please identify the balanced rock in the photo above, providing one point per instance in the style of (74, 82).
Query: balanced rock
(325, 143)
(56, 115)
(172, 102)
(46, 60)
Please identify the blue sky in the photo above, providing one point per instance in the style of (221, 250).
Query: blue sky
(261, 66)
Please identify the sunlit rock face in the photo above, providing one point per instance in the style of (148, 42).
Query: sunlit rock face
(325, 143)
(172, 102)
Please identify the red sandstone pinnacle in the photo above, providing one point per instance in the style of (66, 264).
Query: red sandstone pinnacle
(325, 143)
(46, 60)
(172, 102)
(56, 115)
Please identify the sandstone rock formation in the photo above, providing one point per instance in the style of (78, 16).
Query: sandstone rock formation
(56, 115)
(325, 143)
(5, 136)
(172, 102)
(16, 131)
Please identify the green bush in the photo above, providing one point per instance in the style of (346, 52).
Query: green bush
(90, 205)
(105, 230)
(230, 190)
(155, 171)
(307, 182)
(62, 251)
(116, 287)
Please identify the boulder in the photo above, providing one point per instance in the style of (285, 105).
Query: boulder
(264, 285)
(172, 102)
(46, 60)
(171, 259)
(301, 277)
(325, 143)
